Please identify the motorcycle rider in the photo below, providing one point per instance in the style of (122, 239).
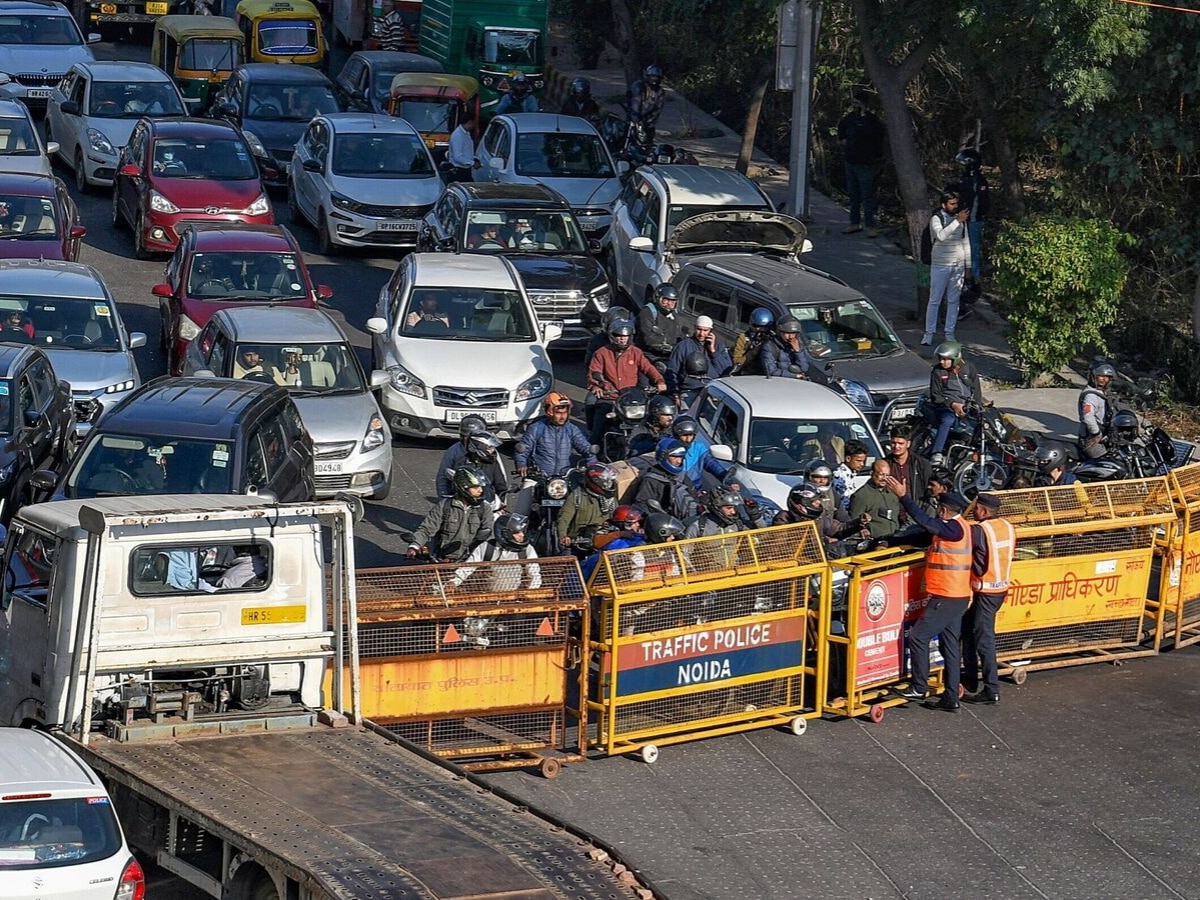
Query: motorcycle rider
(805, 504)
(720, 516)
(660, 414)
(666, 482)
(747, 350)
(454, 525)
(456, 454)
(590, 504)
(704, 342)
(508, 542)
(1052, 467)
(1096, 410)
(613, 368)
(624, 530)
(550, 443)
(658, 328)
(580, 102)
(784, 353)
(820, 477)
(611, 317)
(519, 98)
(483, 452)
(646, 100)
(953, 384)
(699, 460)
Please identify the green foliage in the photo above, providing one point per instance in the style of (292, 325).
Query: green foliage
(1062, 279)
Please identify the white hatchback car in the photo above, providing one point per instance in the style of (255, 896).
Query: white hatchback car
(21, 147)
(92, 111)
(362, 180)
(59, 835)
(458, 337)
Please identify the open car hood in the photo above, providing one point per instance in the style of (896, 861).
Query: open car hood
(744, 230)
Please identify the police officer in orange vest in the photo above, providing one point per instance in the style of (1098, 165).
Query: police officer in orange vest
(991, 571)
(948, 584)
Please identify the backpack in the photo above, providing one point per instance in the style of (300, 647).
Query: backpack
(927, 239)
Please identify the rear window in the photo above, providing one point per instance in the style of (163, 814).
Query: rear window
(49, 833)
(205, 568)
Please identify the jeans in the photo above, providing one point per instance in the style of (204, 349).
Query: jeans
(942, 617)
(975, 237)
(947, 280)
(979, 642)
(945, 421)
(860, 185)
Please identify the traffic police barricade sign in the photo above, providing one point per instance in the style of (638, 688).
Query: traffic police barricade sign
(1080, 573)
(472, 661)
(704, 637)
(1175, 605)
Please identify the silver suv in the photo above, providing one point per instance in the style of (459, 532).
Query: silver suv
(39, 41)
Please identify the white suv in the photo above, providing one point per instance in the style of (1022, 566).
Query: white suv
(459, 337)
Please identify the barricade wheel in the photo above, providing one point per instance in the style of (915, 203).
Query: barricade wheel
(877, 713)
(798, 725)
(1019, 674)
(649, 754)
(550, 768)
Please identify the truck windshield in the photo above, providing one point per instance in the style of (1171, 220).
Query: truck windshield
(510, 47)
(48, 833)
(116, 465)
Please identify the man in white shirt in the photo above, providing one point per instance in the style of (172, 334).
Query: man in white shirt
(461, 155)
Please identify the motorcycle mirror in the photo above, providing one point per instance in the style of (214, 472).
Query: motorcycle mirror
(795, 369)
(594, 449)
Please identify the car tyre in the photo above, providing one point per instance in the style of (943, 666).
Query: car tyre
(139, 240)
(325, 244)
(294, 205)
(118, 220)
(81, 181)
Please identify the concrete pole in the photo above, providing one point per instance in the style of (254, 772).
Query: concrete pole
(807, 17)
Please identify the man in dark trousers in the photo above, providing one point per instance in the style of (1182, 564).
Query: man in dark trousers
(974, 195)
(948, 585)
(862, 136)
(991, 573)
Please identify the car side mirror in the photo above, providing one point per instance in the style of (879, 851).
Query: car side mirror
(69, 108)
(227, 110)
(379, 378)
(641, 244)
(137, 339)
(205, 373)
(312, 165)
(723, 452)
(162, 290)
(594, 246)
(78, 233)
(324, 292)
(623, 167)
(447, 245)
(552, 330)
(51, 148)
(129, 170)
(94, 37)
(32, 417)
(496, 163)
(43, 480)
(377, 325)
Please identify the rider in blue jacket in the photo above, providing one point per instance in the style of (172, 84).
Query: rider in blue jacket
(553, 443)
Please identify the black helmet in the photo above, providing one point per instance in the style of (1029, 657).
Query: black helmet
(506, 529)
(600, 479)
(665, 291)
(519, 84)
(623, 328)
(670, 454)
(1099, 368)
(482, 447)
(661, 527)
(1125, 426)
(465, 478)
(968, 159)
(719, 500)
(581, 88)
(762, 318)
(788, 325)
(612, 316)
(683, 426)
(661, 405)
(805, 500)
(1048, 457)
(949, 350)
(471, 425)
(696, 364)
(653, 76)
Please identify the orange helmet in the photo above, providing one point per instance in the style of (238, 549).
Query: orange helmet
(555, 400)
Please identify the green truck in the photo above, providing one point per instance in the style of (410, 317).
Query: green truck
(489, 40)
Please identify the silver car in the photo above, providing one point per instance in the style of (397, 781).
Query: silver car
(67, 311)
(306, 351)
(21, 147)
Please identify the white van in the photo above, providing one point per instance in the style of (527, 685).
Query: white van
(59, 835)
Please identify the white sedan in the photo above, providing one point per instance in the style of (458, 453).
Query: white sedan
(362, 180)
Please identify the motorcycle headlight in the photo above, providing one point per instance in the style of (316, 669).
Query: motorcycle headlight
(406, 382)
(187, 328)
(537, 386)
(161, 204)
(556, 488)
(601, 297)
(374, 436)
(857, 393)
(259, 207)
(341, 201)
(256, 146)
(100, 143)
(126, 385)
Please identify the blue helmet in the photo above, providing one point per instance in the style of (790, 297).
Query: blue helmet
(670, 454)
(762, 318)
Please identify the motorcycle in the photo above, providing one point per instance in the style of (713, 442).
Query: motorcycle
(984, 449)
(628, 140)
(543, 497)
(1142, 458)
(627, 413)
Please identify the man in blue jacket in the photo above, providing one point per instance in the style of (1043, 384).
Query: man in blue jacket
(553, 442)
(701, 341)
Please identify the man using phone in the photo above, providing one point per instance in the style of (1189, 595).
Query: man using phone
(702, 340)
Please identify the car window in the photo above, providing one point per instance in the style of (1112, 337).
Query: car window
(536, 231)
(728, 428)
(17, 138)
(293, 427)
(706, 411)
(43, 386)
(28, 218)
(211, 55)
(78, 86)
(845, 330)
(707, 298)
(427, 116)
(650, 221)
(235, 275)
(462, 314)
(120, 464)
(320, 142)
(29, 569)
(304, 368)
(218, 353)
(26, 398)
(43, 30)
(491, 139)
(6, 406)
(171, 271)
(503, 143)
(275, 447)
(52, 833)
(287, 37)
(380, 155)
(787, 446)
(288, 102)
(137, 148)
(745, 306)
(351, 73)
(64, 323)
(256, 467)
(205, 568)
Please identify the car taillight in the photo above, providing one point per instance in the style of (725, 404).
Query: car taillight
(133, 882)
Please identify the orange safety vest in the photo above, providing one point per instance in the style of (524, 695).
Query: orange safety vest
(948, 565)
(1001, 542)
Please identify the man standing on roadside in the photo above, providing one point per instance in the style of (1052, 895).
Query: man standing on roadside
(862, 136)
(991, 572)
(948, 260)
(461, 154)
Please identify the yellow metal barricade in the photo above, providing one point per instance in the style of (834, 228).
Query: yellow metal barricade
(1081, 573)
(705, 637)
(473, 662)
(1175, 606)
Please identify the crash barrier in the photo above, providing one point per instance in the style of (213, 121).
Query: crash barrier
(707, 636)
(1175, 605)
(472, 662)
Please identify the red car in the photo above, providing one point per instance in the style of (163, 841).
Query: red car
(216, 266)
(38, 218)
(177, 171)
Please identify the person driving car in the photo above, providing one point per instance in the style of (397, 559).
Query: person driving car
(427, 312)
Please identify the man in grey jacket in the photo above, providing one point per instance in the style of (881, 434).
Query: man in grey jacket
(949, 258)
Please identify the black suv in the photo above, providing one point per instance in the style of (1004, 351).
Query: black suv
(194, 436)
(533, 227)
(37, 423)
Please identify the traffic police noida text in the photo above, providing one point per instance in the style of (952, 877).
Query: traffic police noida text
(684, 645)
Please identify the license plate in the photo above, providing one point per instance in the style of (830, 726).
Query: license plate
(399, 225)
(157, 9)
(274, 615)
(327, 468)
(456, 415)
(108, 9)
(37, 92)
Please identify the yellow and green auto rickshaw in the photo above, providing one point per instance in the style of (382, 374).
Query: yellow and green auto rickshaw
(282, 31)
(199, 53)
(433, 103)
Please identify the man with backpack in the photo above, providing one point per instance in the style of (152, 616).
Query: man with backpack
(658, 327)
(508, 542)
(949, 255)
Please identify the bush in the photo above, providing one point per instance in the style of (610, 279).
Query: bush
(1062, 279)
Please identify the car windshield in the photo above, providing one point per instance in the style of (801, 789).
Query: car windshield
(28, 218)
(302, 368)
(225, 159)
(558, 155)
(17, 138)
(524, 231)
(46, 833)
(44, 30)
(113, 465)
(511, 47)
(428, 116)
(285, 37)
(211, 55)
(378, 154)
(238, 275)
(464, 314)
(133, 99)
(289, 102)
(845, 330)
(59, 323)
(786, 446)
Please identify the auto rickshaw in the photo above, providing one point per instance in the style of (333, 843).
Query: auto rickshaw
(433, 104)
(282, 31)
(199, 53)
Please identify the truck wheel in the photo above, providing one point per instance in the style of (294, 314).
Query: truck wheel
(264, 889)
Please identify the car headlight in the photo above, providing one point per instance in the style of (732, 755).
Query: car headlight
(126, 385)
(7, 472)
(161, 204)
(256, 146)
(187, 328)
(374, 436)
(857, 393)
(406, 382)
(100, 143)
(556, 488)
(537, 386)
(341, 201)
(601, 297)
(259, 207)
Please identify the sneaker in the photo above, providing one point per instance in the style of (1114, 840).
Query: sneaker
(911, 693)
(927, 340)
(872, 232)
(853, 229)
(937, 459)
